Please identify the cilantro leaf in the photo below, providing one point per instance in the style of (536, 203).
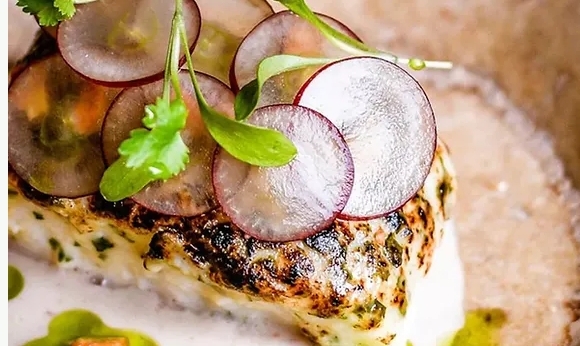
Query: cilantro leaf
(65, 7)
(169, 116)
(149, 154)
(49, 12)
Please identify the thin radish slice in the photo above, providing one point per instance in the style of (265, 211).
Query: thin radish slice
(283, 33)
(296, 200)
(123, 42)
(224, 25)
(190, 193)
(54, 119)
(388, 123)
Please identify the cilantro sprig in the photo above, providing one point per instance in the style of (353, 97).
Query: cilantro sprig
(157, 151)
(50, 12)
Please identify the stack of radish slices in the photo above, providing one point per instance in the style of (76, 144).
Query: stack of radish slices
(363, 127)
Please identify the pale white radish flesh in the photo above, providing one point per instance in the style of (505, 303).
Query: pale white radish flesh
(54, 121)
(224, 24)
(189, 193)
(123, 42)
(388, 123)
(294, 201)
(283, 33)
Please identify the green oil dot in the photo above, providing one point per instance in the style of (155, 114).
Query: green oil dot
(15, 282)
(77, 326)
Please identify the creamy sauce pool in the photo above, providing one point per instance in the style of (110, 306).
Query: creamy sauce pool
(516, 211)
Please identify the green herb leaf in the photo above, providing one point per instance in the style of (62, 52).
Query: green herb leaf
(349, 44)
(120, 181)
(155, 153)
(252, 144)
(247, 99)
(72, 325)
(15, 282)
(49, 12)
(255, 145)
(249, 95)
(65, 7)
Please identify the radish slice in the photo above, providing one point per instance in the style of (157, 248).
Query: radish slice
(54, 119)
(189, 193)
(224, 25)
(123, 42)
(296, 200)
(388, 123)
(283, 33)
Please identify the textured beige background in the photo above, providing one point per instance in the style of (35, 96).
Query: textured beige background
(515, 230)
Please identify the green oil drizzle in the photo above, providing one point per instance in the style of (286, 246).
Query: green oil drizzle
(71, 325)
(15, 282)
(481, 328)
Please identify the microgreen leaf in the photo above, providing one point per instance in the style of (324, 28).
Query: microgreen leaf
(72, 325)
(252, 144)
(352, 46)
(247, 99)
(120, 181)
(249, 95)
(155, 153)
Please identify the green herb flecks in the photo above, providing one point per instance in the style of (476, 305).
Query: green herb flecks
(102, 244)
(56, 246)
(72, 325)
(248, 97)
(15, 282)
(352, 46)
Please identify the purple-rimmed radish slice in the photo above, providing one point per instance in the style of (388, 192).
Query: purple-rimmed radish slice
(54, 121)
(189, 193)
(123, 42)
(294, 201)
(388, 123)
(224, 25)
(283, 33)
